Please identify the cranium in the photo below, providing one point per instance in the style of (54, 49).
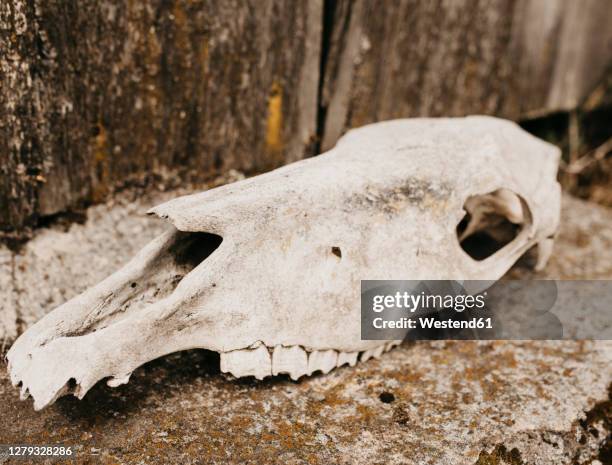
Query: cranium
(267, 271)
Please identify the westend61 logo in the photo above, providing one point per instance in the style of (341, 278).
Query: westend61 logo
(426, 310)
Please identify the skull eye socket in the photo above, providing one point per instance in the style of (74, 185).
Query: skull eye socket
(491, 222)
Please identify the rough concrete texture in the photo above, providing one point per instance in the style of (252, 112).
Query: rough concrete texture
(431, 402)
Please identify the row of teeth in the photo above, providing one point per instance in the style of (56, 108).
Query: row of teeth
(260, 361)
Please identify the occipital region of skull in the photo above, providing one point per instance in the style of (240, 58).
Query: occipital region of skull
(267, 271)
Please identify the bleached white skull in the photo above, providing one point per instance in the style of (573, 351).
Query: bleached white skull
(267, 271)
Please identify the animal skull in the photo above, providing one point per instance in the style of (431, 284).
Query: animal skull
(267, 271)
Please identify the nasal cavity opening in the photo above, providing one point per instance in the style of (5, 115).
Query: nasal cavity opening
(491, 222)
(192, 248)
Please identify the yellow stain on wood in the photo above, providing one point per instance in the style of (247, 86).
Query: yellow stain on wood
(101, 165)
(274, 142)
(204, 55)
(181, 27)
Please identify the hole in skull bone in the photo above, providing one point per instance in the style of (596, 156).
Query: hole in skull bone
(491, 222)
(183, 252)
(192, 248)
(337, 251)
(186, 251)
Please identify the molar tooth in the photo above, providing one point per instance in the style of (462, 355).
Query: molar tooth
(118, 380)
(391, 344)
(372, 353)
(291, 360)
(247, 362)
(349, 358)
(323, 360)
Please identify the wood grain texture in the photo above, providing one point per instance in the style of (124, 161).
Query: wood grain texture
(508, 58)
(98, 94)
(95, 93)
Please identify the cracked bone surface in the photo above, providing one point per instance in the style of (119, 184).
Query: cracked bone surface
(267, 271)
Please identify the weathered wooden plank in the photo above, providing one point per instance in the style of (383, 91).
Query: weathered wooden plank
(95, 93)
(402, 58)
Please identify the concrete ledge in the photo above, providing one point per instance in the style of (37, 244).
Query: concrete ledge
(431, 402)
